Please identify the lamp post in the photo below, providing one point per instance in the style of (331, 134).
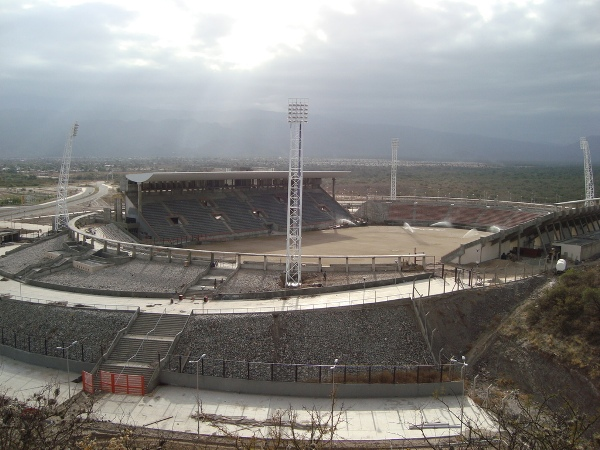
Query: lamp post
(462, 401)
(364, 284)
(332, 368)
(68, 370)
(197, 362)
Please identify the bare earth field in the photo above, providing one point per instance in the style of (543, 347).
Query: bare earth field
(373, 240)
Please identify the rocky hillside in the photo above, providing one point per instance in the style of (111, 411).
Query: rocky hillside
(549, 346)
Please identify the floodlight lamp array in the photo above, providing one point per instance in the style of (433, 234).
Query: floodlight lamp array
(297, 110)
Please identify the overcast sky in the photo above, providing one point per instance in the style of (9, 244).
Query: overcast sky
(523, 69)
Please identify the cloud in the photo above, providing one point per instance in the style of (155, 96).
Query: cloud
(517, 69)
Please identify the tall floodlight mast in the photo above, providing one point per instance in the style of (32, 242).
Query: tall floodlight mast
(395, 143)
(61, 218)
(297, 115)
(587, 169)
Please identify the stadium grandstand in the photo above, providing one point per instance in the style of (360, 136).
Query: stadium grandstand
(181, 207)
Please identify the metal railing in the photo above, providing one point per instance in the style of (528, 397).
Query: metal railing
(46, 346)
(41, 301)
(315, 373)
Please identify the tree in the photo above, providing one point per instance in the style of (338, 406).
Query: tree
(523, 424)
(41, 422)
(284, 430)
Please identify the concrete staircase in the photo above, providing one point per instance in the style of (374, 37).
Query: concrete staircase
(149, 340)
(211, 281)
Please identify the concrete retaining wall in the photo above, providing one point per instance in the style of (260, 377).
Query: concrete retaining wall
(321, 289)
(80, 290)
(318, 390)
(45, 361)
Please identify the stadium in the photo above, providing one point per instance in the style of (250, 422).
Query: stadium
(192, 242)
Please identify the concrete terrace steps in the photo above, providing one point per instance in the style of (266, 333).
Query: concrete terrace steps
(153, 325)
(150, 338)
(139, 350)
(206, 284)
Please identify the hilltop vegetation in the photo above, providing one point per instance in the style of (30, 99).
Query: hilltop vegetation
(566, 319)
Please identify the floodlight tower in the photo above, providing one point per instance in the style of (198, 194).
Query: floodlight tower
(395, 142)
(587, 169)
(61, 218)
(297, 115)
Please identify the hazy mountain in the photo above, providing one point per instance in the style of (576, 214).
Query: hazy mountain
(255, 133)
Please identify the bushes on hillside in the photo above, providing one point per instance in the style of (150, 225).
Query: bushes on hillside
(571, 307)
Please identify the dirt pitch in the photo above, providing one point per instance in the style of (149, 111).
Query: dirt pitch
(356, 241)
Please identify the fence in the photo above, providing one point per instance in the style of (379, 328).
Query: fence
(41, 301)
(48, 346)
(119, 383)
(87, 379)
(459, 278)
(314, 373)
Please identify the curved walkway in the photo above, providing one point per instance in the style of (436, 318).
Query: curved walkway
(198, 306)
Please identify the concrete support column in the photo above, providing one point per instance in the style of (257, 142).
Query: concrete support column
(169, 255)
(347, 266)
(139, 186)
(265, 264)
(151, 256)
(320, 264)
(541, 240)
(118, 248)
(133, 251)
(373, 264)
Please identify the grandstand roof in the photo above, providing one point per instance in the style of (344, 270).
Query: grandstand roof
(239, 175)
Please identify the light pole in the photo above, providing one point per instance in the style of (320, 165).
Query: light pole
(332, 368)
(474, 388)
(364, 284)
(68, 371)
(197, 362)
(462, 402)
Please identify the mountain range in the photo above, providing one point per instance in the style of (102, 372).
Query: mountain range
(43, 133)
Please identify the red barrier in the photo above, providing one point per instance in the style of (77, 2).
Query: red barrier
(88, 382)
(120, 383)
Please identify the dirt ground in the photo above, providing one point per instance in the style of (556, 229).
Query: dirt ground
(372, 240)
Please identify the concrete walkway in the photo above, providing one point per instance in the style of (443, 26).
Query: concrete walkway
(185, 306)
(175, 409)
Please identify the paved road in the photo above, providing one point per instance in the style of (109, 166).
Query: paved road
(84, 199)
